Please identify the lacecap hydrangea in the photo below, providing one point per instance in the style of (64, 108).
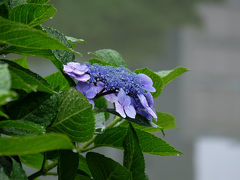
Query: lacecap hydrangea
(130, 92)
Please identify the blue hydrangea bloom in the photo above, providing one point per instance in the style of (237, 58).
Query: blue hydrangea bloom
(130, 92)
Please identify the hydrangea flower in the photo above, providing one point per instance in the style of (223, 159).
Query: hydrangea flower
(130, 92)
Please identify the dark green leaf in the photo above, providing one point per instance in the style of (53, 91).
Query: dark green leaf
(67, 165)
(165, 121)
(32, 14)
(22, 125)
(168, 76)
(149, 143)
(157, 81)
(62, 56)
(82, 165)
(3, 10)
(12, 169)
(32, 160)
(103, 168)
(25, 79)
(33, 144)
(22, 62)
(110, 56)
(102, 103)
(13, 3)
(2, 114)
(58, 81)
(40, 108)
(81, 177)
(21, 35)
(75, 116)
(133, 158)
(38, 1)
(97, 61)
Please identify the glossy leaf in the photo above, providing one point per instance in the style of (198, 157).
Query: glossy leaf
(57, 81)
(67, 165)
(168, 76)
(38, 1)
(82, 165)
(103, 168)
(22, 125)
(22, 62)
(21, 35)
(75, 116)
(110, 56)
(133, 158)
(33, 144)
(149, 143)
(32, 160)
(25, 79)
(157, 81)
(32, 14)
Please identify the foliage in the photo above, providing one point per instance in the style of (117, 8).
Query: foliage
(45, 123)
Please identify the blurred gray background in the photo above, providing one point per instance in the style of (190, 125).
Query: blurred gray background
(203, 35)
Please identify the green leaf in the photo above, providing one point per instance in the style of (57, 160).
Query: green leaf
(25, 79)
(165, 121)
(22, 125)
(149, 143)
(5, 94)
(97, 61)
(32, 160)
(73, 41)
(110, 56)
(40, 108)
(67, 165)
(58, 81)
(62, 56)
(157, 81)
(75, 116)
(13, 3)
(33, 144)
(102, 103)
(2, 114)
(32, 14)
(4, 9)
(38, 1)
(3, 176)
(82, 165)
(21, 35)
(133, 158)
(103, 168)
(12, 169)
(22, 62)
(99, 122)
(168, 76)
(81, 177)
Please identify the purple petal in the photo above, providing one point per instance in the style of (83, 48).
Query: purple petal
(91, 102)
(82, 87)
(147, 83)
(100, 86)
(121, 96)
(130, 111)
(149, 98)
(120, 110)
(111, 97)
(83, 78)
(92, 92)
(144, 102)
(67, 68)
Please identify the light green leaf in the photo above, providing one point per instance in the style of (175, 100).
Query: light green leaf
(22, 125)
(38, 1)
(33, 144)
(22, 62)
(157, 81)
(25, 79)
(73, 41)
(75, 116)
(32, 14)
(165, 121)
(21, 35)
(133, 158)
(32, 160)
(103, 168)
(99, 121)
(58, 81)
(67, 165)
(2, 114)
(110, 56)
(168, 76)
(5, 94)
(82, 165)
(149, 143)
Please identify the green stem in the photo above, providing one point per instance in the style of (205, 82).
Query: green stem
(85, 147)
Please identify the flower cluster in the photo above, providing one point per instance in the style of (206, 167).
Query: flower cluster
(130, 92)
